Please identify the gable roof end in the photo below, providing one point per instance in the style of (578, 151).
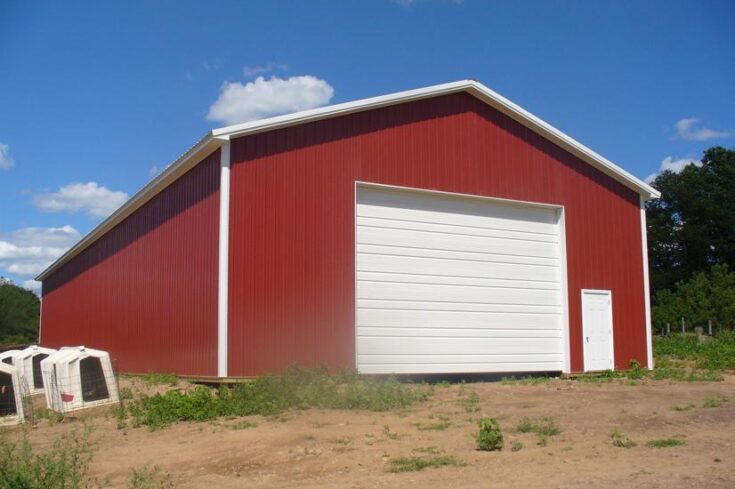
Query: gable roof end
(215, 138)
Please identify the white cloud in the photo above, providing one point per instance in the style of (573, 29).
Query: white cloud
(93, 199)
(26, 252)
(687, 129)
(6, 162)
(262, 98)
(251, 71)
(154, 170)
(670, 164)
(32, 285)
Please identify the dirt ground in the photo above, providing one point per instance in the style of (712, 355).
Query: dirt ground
(348, 449)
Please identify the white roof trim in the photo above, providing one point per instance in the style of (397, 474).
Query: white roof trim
(214, 139)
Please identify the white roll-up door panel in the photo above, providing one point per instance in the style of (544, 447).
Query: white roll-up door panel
(450, 284)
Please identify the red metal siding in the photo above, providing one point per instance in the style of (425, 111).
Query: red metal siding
(292, 221)
(147, 290)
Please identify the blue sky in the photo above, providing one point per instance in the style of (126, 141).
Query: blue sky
(97, 96)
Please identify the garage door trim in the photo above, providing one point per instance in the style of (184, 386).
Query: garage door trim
(562, 252)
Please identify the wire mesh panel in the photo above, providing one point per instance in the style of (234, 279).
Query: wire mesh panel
(79, 378)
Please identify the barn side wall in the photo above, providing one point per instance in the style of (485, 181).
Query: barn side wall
(147, 290)
(291, 267)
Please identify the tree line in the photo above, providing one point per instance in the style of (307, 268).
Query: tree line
(691, 244)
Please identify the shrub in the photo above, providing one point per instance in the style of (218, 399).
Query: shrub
(489, 436)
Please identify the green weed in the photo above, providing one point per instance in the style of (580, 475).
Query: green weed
(389, 434)
(687, 407)
(244, 425)
(297, 388)
(471, 403)
(160, 379)
(489, 437)
(715, 354)
(150, 478)
(516, 446)
(543, 428)
(714, 402)
(621, 441)
(413, 464)
(666, 442)
(432, 450)
(63, 466)
(53, 417)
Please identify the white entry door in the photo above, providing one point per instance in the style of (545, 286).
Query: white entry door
(456, 284)
(597, 326)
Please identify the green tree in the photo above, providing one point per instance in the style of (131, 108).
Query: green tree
(692, 226)
(19, 313)
(705, 297)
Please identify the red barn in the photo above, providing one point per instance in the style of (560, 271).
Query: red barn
(439, 230)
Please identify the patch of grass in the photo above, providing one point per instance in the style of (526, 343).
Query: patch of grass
(150, 478)
(126, 393)
(62, 466)
(442, 424)
(716, 354)
(432, 450)
(687, 407)
(471, 403)
(489, 436)
(160, 379)
(389, 434)
(244, 425)
(296, 388)
(529, 380)
(413, 464)
(340, 441)
(714, 402)
(621, 441)
(543, 428)
(666, 443)
(53, 417)
(319, 424)
(516, 446)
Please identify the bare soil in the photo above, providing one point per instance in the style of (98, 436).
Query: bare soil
(353, 449)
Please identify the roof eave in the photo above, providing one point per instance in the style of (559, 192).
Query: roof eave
(204, 147)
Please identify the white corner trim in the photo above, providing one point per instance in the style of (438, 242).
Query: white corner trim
(565, 292)
(646, 285)
(224, 253)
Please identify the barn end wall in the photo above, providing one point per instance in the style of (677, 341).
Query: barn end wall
(147, 290)
(291, 268)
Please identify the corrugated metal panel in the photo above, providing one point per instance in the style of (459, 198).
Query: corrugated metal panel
(292, 244)
(147, 291)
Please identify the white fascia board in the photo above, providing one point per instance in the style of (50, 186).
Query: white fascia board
(170, 174)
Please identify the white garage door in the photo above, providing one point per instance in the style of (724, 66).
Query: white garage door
(456, 284)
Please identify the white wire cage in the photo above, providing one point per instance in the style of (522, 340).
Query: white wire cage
(78, 378)
(8, 357)
(28, 363)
